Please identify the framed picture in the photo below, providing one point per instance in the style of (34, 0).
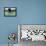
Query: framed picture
(10, 11)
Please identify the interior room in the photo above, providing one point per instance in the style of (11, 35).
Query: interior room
(25, 12)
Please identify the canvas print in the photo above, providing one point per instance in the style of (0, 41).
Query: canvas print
(10, 11)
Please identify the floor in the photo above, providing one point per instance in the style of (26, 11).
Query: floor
(7, 45)
(28, 43)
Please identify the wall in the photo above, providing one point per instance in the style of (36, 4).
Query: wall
(28, 12)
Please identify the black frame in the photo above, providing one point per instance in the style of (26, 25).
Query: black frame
(9, 15)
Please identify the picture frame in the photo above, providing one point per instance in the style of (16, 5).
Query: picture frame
(10, 11)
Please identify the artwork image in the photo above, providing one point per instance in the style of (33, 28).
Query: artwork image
(10, 11)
